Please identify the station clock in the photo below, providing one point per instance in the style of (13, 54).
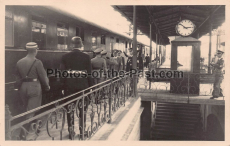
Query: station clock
(185, 27)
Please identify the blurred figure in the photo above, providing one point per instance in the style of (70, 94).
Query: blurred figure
(113, 58)
(153, 65)
(98, 65)
(120, 61)
(213, 61)
(109, 63)
(147, 61)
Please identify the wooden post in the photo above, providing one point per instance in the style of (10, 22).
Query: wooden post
(110, 102)
(156, 44)
(7, 123)
(134, 51)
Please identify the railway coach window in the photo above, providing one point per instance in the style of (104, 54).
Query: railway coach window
(9, 28)
(62, 34)
(103, 39)
(80, 33)
(39, 34)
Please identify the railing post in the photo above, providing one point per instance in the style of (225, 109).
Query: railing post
(83, 116)
(7, 123)
(110, 103)
(188, 87)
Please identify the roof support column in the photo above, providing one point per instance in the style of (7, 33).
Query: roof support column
(210, 45)
(156, 44)
(134, 60)
(156, 48)
(150, 34)
(217, 41)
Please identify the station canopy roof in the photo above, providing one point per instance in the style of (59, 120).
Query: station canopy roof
(165, 18)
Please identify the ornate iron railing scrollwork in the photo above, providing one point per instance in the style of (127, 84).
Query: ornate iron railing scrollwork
(97, 104)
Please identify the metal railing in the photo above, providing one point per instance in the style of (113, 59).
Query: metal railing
(98, 103)
(192, 84)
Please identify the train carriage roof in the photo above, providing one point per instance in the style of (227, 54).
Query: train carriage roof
(165, 18)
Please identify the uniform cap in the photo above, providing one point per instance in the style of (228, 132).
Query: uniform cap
(220, 51)
(77, 42)
(98, 50)
(104, 52)
(31, 45)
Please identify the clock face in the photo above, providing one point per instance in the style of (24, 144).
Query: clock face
(185, 27)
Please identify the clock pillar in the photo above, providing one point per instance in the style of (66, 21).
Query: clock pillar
(189, 83)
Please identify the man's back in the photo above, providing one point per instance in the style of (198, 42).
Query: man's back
(147, 58)
(97, 63)
(77, 61)
(37, 71)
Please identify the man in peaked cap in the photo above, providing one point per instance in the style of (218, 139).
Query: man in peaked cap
(98, 63)
(31, 72)
(76, 61)
(218, 66)
(109, 62)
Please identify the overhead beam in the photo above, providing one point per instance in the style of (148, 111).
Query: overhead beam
(167, 17)
(168, 25)
(168, 21)
(193, 16)
(195, 11)
(167, 28)
(153, 20)
(207, 18)
(162, 12)
(116, 7)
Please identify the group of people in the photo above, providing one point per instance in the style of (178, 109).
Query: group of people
(30, 71)
(103, 62)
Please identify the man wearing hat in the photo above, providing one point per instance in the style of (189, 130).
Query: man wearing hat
(218, 66)
(98, 66)
(31, 72)
(109, 62)
(79, 61)
(120, 61)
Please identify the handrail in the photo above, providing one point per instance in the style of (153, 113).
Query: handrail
(64, 98)
(112, 93)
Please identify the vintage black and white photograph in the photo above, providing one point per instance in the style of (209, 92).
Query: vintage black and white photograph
(115, 72)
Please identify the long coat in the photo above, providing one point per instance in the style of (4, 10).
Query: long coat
(76, 61)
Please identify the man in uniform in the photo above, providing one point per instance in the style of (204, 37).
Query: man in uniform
(31, 72)
(76, 61)
(218, 66)
(120, 61)
(99, 66)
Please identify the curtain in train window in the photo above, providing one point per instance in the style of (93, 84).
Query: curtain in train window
(39, 34)
(9, 28)
(184, 58)
(62, 34)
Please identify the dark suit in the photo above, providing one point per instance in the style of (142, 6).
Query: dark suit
(147, 60)
(77, 61)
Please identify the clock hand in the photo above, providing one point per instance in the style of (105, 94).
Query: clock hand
(188, 27)
(182, 25)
